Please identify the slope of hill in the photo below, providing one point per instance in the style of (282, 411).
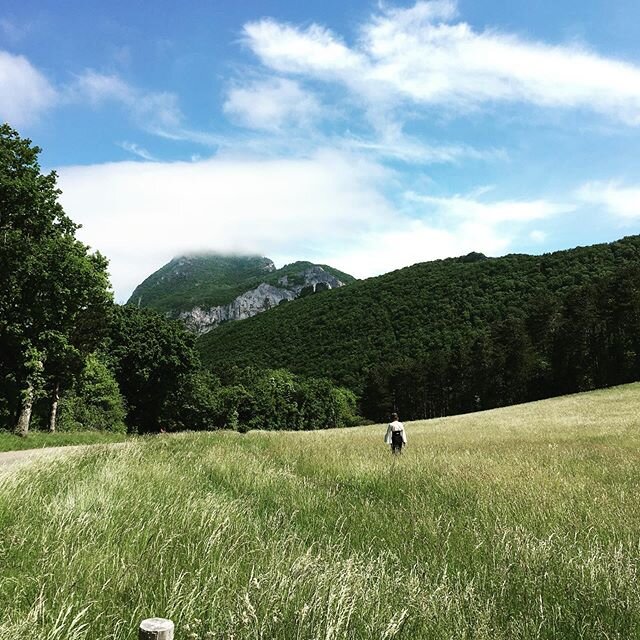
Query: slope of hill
(513, 524)
(433, 314)
(209, 289)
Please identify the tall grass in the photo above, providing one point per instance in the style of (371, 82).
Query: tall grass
(516, 523)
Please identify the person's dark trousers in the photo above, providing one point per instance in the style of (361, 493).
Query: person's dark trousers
(396, 442)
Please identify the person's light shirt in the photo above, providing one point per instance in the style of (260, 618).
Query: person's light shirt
(396, 425)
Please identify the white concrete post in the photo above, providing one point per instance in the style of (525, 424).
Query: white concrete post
(156, 629)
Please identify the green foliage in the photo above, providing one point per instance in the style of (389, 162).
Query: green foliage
(252, 398)
(94, 402)
(55, 294)
(452, 335)
(590, 339)
(211, 280)
(277, 399)
(194, 405)
(151, 357)
(257, 399)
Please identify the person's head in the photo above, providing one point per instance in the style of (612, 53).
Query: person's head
(394, 417)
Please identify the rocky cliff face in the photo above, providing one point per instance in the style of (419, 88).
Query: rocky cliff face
(208, 289)
(261, 298)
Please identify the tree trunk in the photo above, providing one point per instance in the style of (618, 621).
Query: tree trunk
(22, 427)
(53, 407)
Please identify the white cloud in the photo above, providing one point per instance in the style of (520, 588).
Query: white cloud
(422, 55)
(329, 206)
(620, 201)
(98, 88)
(286, 48)
(408, 242)
(491, 213)
(272, 104)
(13, 31)
(142, 214)
(443, 227)
(25, 94)
(421, 12)
(392, 142)
(137, 150)
(154, 111)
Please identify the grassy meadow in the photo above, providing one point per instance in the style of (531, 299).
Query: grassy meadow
(38, 439)
(515, 523)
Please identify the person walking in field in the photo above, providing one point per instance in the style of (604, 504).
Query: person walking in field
(395, 435)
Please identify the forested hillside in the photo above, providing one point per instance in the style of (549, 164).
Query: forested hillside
(458, 334)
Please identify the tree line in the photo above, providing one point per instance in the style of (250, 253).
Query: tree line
(71, 358)
(460, 334)
(587, 340)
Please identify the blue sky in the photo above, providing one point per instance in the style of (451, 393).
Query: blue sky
(368, 136)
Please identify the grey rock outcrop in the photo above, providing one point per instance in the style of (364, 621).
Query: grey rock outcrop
(263, 297)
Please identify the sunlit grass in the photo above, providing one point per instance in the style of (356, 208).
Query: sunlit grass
(517, 523)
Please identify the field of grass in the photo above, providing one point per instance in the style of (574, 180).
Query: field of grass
(38, 439)
(516, 523)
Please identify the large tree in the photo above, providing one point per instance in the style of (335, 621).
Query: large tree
(55, 293)
(152, 358)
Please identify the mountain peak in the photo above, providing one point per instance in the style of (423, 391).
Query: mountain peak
(206, 289)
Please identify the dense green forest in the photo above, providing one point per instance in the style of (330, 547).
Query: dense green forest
(459, 334)
(72, 359)
(209, 280)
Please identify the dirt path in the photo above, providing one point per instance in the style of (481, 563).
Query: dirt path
(12, 460)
